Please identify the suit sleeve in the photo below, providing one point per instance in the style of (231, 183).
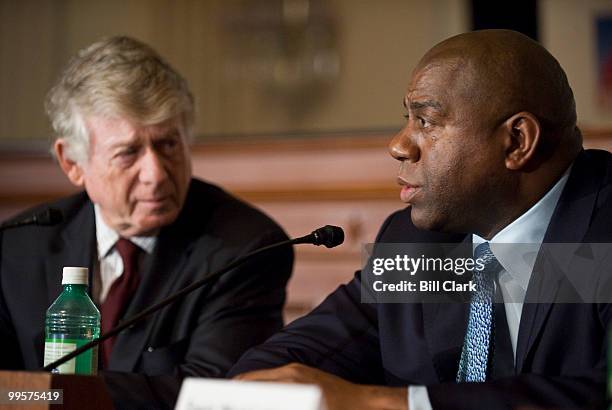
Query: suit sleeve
(340, 336)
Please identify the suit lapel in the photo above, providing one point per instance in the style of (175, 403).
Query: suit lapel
(75, 247)
(444, 328)
(543, 287)
(445, 325)
(569, 224)
(158, 276)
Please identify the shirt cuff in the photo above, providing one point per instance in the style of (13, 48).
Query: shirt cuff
(418, 398)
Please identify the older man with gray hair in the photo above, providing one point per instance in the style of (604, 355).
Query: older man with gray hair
(122, 118)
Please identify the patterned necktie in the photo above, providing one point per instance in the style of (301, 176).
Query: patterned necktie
(121, 291)
(477, 344)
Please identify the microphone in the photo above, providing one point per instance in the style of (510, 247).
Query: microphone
(47, 217)
(329, 235)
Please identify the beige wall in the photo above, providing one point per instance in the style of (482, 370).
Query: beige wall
(568, 31)
(378, 41)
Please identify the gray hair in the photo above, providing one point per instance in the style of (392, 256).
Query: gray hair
(117, 76)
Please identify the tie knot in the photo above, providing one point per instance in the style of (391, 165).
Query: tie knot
(128, 250)
(484, 253)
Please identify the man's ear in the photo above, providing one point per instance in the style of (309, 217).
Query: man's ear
(71, 168)
(523, 134)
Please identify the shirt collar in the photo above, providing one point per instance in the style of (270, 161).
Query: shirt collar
(526, 234)
(106, 237)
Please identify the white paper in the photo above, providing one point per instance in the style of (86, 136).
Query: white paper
(215, 394)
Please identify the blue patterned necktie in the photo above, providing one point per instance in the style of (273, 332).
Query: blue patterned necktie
(478, 337)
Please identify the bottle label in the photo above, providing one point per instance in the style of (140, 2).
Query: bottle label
(85, 363)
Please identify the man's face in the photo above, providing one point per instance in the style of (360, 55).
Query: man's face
(138, 175)
(450, 161)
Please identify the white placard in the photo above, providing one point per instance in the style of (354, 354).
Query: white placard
(215, 394)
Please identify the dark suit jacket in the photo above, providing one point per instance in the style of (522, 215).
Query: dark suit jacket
(202, 334)
(561, 349)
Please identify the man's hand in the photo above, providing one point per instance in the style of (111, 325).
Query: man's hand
(339, 394)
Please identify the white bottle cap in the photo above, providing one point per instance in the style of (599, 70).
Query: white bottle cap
(73, 275)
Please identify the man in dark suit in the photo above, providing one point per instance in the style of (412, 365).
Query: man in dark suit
(490, 154)
(122, 118)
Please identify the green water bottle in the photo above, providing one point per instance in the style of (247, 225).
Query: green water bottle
(72, 320)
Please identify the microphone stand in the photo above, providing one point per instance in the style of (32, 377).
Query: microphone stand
(314, 238)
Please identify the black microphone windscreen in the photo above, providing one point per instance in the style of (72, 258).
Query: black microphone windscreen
(329, 235)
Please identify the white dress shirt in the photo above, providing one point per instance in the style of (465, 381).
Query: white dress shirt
(110, 264)
(516, 248)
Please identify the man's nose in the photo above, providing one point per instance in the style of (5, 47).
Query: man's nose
(152, 170)
(403, 148)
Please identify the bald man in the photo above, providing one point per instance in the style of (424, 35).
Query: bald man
(490, 154)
